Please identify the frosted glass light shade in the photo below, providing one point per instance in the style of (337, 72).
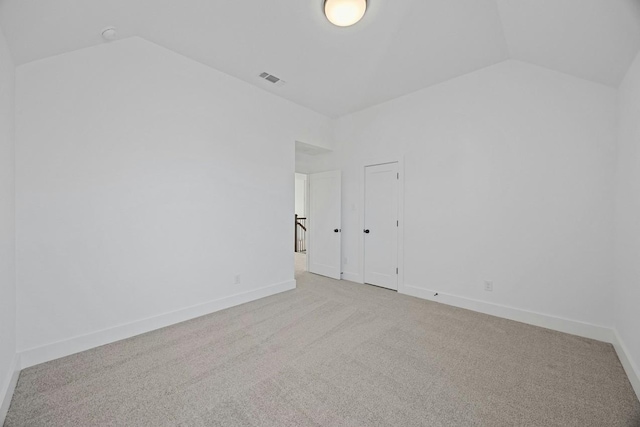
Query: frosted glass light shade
(344, 13)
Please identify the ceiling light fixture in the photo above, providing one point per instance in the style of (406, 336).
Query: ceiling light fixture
(344, 13)
(109, 33)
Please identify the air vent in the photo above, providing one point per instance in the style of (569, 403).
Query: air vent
(272, 79)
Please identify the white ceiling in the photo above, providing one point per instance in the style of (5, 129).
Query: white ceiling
(593, 39)
(400, 46)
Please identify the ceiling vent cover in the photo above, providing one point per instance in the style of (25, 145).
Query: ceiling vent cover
(272, 79)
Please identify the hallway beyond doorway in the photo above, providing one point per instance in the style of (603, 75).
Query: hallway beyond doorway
(300, 263)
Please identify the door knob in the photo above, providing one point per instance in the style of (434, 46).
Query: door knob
(366, 231)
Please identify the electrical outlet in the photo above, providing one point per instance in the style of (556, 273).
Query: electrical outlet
(237, 280)
(488, 286)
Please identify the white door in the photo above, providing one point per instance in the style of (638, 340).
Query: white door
(381, 226)
(324, 224)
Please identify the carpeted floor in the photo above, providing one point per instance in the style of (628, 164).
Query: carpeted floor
(334, 354)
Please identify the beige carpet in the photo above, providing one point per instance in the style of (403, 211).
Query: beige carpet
(334, 354)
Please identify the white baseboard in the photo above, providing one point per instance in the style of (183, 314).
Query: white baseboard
(627, 363)
(6, 392)
(37, 355)
(574, 327)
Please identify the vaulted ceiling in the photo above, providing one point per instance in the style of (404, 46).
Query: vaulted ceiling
(400, 46)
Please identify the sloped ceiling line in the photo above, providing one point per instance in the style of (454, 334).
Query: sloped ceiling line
(400, 46)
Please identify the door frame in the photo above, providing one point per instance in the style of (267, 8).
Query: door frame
(306, 212)
(363, 180)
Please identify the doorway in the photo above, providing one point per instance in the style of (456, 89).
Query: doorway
(381, 225)
(317, 227)
(300, 224)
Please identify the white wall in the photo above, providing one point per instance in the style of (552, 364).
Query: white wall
(7, 224)
(627, 295)
(509, 177)
(145, 183)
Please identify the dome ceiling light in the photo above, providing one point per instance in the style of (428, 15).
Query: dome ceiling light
(109, 33)
(344, 13)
